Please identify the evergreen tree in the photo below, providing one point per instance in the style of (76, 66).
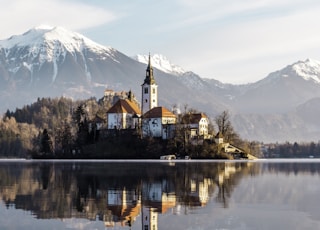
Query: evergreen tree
(46, 143)
(67, 137)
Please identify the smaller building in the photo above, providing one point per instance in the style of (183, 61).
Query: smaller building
(219, 138)
(198, 124)
(158, 122)
(124, 114)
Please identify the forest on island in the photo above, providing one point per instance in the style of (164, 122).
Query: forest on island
(63, 128)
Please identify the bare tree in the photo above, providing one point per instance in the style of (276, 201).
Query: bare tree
(225, 127)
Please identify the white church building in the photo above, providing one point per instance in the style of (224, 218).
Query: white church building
(156, 121)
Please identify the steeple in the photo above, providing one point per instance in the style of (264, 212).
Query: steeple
(149, 97)
(149, 74)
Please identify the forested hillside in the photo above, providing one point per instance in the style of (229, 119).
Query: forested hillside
(22, 129)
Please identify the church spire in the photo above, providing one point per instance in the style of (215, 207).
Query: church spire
(149, 73)
(149, 97)
(149, 63)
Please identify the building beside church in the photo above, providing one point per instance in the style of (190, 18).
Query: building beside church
(124, 114)
(197, 123)
(158, 122)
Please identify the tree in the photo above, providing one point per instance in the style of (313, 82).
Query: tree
(225, 127)
(63, 138)
(82, 123)
(66, 137)
(46, 143)
(79, 115)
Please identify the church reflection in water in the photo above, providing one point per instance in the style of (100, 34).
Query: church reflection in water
(118, 193)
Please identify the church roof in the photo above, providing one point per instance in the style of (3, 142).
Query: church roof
(125, 106)
(157, 112)
(194, 118)
(149, 74)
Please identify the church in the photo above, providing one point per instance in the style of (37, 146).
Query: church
(156, 121)
(153, 120)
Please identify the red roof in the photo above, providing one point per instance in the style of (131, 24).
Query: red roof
(124, 106)
(194, 118)
(158, 112)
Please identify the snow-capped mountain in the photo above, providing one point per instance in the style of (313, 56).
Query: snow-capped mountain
(160, 62)
(308, 70)
(55, 46)
(283, 90)
(52, 61)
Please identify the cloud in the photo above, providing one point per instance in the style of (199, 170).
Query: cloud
(21, 15)
(215, 12)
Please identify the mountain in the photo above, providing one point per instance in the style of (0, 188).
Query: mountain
(52, 61)
(282, 90)
(283, 106)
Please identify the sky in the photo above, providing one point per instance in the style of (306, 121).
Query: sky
(231, 41)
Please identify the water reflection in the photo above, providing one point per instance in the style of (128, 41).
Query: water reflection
(123, 194)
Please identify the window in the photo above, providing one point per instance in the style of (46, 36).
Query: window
(145, 90)
(153, 90)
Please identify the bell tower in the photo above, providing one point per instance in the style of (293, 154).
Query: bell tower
(149, 90)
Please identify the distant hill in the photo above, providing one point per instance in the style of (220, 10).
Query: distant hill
(52, 61)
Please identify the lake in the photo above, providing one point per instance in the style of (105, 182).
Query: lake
(262, 194)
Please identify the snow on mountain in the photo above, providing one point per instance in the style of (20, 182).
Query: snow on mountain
(160, 62)
(308, 70)
(52, 36)
(48, 43)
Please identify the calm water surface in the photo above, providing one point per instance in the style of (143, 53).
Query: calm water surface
(160, 195)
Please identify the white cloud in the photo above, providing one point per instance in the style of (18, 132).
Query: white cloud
(17, 16)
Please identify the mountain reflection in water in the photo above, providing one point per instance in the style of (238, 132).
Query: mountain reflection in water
(125, 194)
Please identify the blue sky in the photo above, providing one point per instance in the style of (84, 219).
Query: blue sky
(232, 41)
